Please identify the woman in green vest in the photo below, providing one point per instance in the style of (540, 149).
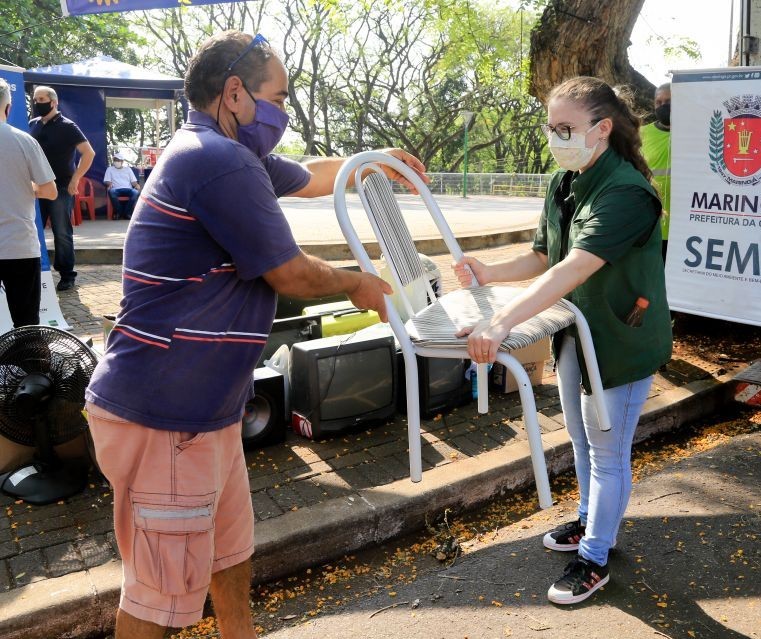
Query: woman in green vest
(598, 244)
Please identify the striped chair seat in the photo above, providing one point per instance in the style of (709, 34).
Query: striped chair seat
(436, 325)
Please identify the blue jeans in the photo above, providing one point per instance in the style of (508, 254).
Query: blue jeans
(123, 209)
(602, 459)
(59, 213)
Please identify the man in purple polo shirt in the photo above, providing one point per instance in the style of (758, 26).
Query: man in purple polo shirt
(206, 253)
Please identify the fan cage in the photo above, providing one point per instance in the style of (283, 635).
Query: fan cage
(65, 360)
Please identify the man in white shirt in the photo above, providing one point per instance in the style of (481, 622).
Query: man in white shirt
(26, 174)
(120, 181)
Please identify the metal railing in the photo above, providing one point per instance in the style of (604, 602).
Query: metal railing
(500, 184)
(504, 184)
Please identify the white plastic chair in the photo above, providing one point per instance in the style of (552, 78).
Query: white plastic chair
(430, 332)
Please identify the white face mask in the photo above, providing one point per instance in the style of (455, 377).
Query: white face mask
(572, 154)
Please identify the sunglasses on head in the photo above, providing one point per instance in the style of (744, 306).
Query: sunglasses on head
(256, 41)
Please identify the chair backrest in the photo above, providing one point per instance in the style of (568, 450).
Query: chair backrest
(87, 187)
(388, 224)
(85, 196)
(393, 235)
(412, 289)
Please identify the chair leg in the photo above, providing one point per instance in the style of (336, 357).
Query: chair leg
(413, 414)
(76, 212)
(533, 433)
(482, 384)
(593, 370)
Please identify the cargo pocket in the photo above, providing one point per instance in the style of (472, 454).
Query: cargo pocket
(174, 541)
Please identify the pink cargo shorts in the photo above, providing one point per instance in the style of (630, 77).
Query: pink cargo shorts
(182, 511)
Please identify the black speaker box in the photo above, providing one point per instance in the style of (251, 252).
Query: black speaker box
(264, 418)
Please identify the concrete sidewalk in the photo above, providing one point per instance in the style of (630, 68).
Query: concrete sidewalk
(478, 222)
(59, 569)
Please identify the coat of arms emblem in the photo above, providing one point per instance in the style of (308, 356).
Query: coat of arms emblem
(735, 141)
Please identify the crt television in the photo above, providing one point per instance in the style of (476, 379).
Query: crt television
(289, 331)
(340, 382)
(441, 384)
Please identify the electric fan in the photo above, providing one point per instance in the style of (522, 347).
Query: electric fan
(43, 375)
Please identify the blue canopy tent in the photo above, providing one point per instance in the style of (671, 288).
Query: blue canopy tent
(86, 88)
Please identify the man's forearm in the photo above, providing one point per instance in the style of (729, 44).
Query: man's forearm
(316, 278)
(306, 276)
(87, 155)
(323, 176)
(85, 162)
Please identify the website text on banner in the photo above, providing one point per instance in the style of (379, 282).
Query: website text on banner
(50, 312)
(82, 7)
(713, 266)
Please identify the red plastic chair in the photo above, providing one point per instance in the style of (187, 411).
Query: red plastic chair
(110, 207)
(85, 196)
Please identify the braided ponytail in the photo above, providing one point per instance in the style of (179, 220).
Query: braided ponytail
(602, 101)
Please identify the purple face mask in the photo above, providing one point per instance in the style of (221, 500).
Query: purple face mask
(268, 127)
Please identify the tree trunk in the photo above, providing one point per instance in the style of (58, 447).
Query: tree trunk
(587, 37)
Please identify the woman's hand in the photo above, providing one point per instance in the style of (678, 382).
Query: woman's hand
(467, 267)
(483, 340)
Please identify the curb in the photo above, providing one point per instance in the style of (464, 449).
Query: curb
(84, 604)
(333, 251)
(381, 513)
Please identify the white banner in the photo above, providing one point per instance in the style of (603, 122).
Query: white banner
(713, 266)
(50, 311)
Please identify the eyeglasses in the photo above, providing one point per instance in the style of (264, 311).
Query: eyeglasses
(563, 131)
(257, 40)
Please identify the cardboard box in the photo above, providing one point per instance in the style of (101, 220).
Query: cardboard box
(532, 358)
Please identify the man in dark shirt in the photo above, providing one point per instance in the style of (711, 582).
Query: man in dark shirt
(59, 138)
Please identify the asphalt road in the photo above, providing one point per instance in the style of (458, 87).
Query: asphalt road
(687, 565)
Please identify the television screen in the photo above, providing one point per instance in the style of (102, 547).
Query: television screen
(446, 379)
(342, 381)
(442, 384)
(347, 390)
